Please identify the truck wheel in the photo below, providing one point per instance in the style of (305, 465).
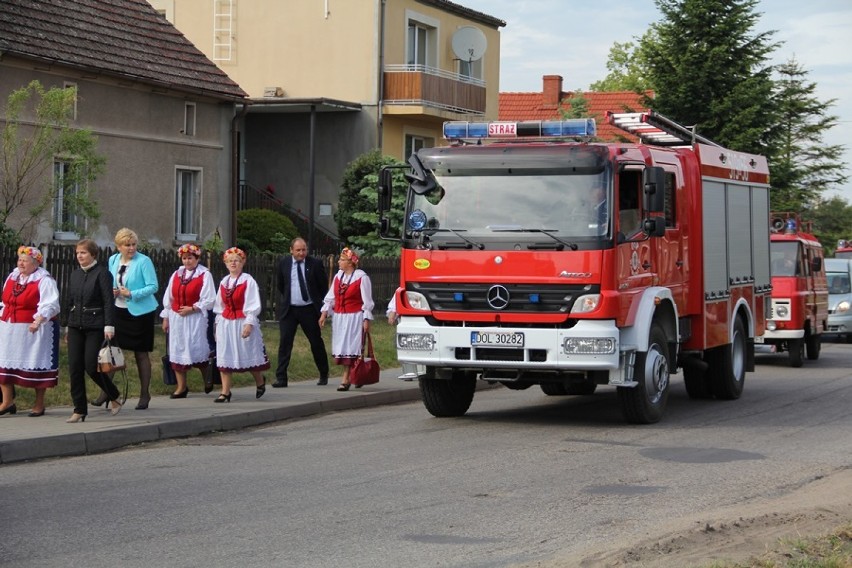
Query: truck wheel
(553, 389)
(796, 348)
(448, 397)
(645, 403)
(516, 385)
(727, 365)
(813, 344)
(696, 382)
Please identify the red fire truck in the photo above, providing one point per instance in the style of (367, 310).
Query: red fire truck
(799, 310)
(533, 256)
(843, 250)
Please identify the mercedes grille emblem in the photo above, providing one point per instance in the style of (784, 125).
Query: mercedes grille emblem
(498, 297)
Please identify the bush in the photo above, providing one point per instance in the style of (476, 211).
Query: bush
(264, 230)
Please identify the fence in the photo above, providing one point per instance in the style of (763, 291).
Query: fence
(61, 261)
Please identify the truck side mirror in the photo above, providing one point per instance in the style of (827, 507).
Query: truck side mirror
(654, 182)
(385, 189)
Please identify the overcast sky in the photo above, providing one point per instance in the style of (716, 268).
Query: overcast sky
(572, 38)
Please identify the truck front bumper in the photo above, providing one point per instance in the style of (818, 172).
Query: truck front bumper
(588, 346)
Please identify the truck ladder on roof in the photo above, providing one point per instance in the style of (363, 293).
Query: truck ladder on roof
(655, 129)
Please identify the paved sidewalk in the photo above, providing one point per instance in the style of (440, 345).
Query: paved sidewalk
(25, 438)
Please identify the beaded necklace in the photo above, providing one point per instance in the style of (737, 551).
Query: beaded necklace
(20, 286)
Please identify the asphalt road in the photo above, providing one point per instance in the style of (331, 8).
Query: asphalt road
(522, 477)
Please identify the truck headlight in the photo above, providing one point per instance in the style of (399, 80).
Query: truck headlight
(585, 304)
(588, 345)
(415, 341)
(782, 311)
(842, 307)
(417, 300)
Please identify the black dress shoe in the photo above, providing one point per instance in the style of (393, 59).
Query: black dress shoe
(322, 381)
(279, 384)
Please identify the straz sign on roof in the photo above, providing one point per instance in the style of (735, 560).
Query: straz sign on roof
(502, 129)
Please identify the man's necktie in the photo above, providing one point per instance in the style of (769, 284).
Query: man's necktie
(302, 286)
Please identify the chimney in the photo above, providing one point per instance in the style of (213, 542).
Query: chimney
(551, 96)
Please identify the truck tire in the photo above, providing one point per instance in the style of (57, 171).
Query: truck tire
(728, 364)
(448, 397)
(645, 403)
(553, 389)
(813, 345)
(696, 382)
(796, 347)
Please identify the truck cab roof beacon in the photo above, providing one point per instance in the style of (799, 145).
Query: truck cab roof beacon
(533, 255)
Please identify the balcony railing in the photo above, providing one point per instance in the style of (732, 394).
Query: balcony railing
(427, 86)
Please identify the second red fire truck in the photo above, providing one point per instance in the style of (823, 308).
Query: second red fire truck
(531, 258)
(799, 307)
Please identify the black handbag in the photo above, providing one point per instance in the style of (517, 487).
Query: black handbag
(169, 376)
(212, 376)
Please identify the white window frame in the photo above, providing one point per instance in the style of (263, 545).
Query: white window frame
(413, 142)
(187, 215)
(425, 55)
(62, 221)
(190, 112)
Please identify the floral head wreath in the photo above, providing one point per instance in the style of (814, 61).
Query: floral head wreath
(350, 254)
(190, 248)
(234, 250)
(31, 251)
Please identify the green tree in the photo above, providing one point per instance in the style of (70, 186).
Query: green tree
(709, 69)
(578, 106)
(802, 165)
(832, 219)
(38, 131)
(627, 70)
(357, 215)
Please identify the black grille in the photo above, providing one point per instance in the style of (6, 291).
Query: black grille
(552, 299)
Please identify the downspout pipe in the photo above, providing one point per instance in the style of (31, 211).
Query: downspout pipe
(235, 169)
(381, 74)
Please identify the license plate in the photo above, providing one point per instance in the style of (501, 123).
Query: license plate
(758, 339)
(496, 339)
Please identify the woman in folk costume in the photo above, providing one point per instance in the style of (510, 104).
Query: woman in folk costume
(29, 331)
(350, 302)
(239, 343)
(188, 298)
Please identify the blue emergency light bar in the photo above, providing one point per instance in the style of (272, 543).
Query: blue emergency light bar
(459, 130)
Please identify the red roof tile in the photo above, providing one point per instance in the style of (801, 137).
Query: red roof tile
(122, 38)
(529, 106)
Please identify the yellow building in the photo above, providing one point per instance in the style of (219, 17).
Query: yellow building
(331, 79)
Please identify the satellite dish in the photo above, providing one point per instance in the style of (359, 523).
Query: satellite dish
(469, 43)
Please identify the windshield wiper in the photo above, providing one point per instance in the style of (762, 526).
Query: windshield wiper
(534, 246)
(468, 243)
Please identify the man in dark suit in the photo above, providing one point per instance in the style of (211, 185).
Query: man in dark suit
(302, 284)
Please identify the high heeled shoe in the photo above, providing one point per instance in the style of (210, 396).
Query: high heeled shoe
(34, 414)
(343, 387)
(261, 389)
(115, 409)
(143, 403)
(76, 418)
(223, 398)
(181, 394)
(11, 409)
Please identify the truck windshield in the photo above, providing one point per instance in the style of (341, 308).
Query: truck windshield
(785, 259)
(488, 202)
